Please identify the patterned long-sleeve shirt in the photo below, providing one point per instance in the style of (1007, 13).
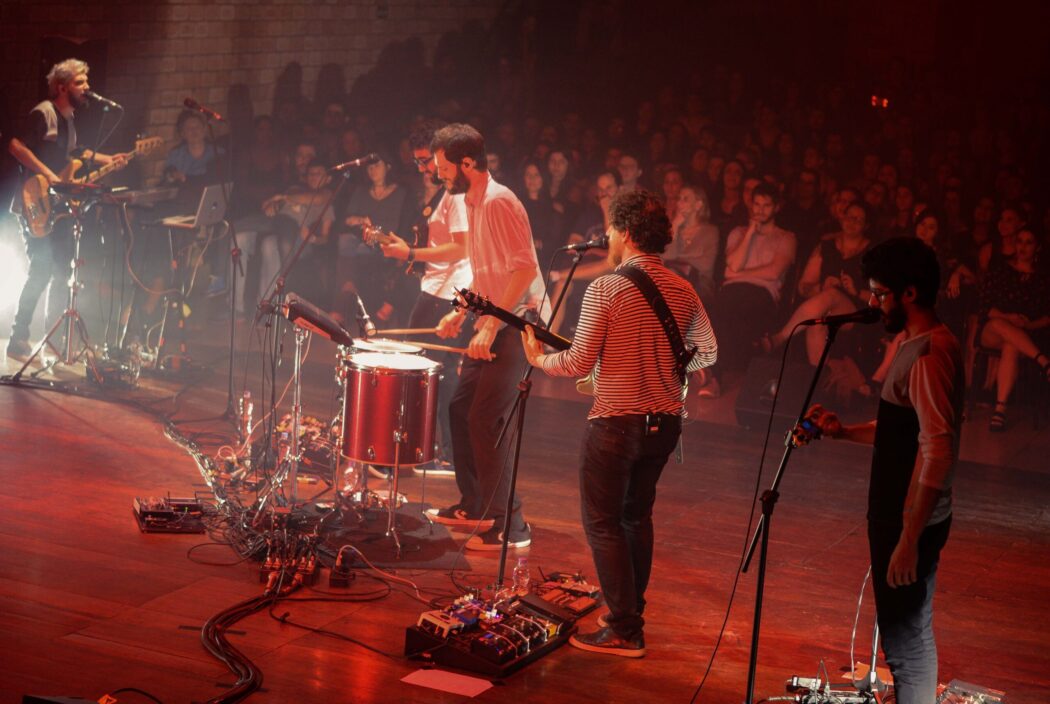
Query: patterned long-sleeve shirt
(621, 339)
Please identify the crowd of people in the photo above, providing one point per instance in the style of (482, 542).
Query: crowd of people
(773, 202)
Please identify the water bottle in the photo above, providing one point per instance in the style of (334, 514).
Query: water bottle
(246, 408)
(520, 578)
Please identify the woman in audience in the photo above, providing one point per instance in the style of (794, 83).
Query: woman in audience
(1015, 316)
(730, 210)
(544, 220)
(694, 246)
(831, 282)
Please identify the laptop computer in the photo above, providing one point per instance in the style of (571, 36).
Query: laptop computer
(210, 211)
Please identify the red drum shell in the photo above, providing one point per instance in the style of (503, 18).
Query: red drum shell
(386, 395)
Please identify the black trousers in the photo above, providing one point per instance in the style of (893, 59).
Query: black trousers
(478, 411)
(426, 313)
(620, 465)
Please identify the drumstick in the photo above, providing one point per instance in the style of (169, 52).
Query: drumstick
(437, 348)
(407, 331)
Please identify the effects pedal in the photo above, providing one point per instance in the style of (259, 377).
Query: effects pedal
(169, 515)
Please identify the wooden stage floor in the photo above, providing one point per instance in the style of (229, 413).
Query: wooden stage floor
(88, 604)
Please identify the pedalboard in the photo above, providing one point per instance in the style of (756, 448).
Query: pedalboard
(168, 514)
(497, 639)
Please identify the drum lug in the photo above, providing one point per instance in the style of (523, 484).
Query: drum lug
(371, 452)
(419, 455)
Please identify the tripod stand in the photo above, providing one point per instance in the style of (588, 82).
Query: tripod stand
(67, 353)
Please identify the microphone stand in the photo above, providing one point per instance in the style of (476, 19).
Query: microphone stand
(273, 303)
(236, 266)
(769, 502)
(518, 411)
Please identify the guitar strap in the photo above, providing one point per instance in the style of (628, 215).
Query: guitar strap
(663, 313)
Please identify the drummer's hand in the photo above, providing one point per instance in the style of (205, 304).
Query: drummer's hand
(480, 346)
(533, 347)
(397, 249)
(451, 324)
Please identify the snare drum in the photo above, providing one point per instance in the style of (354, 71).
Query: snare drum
(389, 408)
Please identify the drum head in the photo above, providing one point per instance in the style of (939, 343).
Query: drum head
(391, 361)
(379, 344)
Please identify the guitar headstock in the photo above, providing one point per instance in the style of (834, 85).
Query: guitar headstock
(374, 235)
(147, 144)
(469, 300)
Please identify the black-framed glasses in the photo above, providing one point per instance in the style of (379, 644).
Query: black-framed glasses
(880, 293)
(421, 163)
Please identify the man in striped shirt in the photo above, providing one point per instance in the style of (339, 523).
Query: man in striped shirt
(639, 403)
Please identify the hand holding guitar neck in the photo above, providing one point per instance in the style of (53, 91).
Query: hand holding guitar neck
(469, 300)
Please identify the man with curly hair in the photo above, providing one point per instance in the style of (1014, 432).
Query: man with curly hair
(639, 403)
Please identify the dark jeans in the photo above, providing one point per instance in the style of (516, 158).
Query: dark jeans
(905, 614)
(619, 468)
(478, 410)
(49, 269)
(426, 313)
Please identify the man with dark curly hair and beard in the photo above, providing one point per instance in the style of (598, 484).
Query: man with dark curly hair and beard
(916, 445)
(639, 403)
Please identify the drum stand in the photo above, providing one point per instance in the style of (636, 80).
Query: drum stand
(288, 469)
(70, 320)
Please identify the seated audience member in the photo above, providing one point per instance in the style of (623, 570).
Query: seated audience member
(831, 283)
(544, 220)
(694, 245)
(1000, 249)
(1015, 319)
(300, 213)
(630, 173)
(803, 214)
(383, 204)
(758, 259)
(592, 224)
(730, 211)
(671, 186)
(902, 222)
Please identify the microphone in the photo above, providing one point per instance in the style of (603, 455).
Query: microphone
(368, 328)
(864, 316)
(105, 101)
(208, 113)
(599, 242)
(360, 161)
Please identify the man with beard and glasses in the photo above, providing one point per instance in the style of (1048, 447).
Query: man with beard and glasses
(45, 148)
(639, 403)
(447, 270)
(916, 446)
(504, 270)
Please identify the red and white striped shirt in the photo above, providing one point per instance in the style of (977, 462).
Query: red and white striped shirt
(621, 338)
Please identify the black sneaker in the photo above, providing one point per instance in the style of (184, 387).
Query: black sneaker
(492, 539)
(19, 349)
(457, 517)
(605, 640)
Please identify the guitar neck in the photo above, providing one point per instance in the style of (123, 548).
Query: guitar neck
(516, 321)
(103, 170)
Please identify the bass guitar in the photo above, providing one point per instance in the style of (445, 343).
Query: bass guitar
(469, 300)
(38, 202)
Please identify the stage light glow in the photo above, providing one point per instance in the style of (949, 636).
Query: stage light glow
(13, 266)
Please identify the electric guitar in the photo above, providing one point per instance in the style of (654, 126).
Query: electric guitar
(38, 202)
(374, 236)
(469, 300)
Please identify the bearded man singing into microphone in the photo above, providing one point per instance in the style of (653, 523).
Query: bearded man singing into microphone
(916, 440)
(45, 148)
(639, 367)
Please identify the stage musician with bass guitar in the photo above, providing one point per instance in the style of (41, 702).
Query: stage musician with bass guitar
(45, 149)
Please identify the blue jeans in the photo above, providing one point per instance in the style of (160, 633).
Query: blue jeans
(905, 614)
(620, 465)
